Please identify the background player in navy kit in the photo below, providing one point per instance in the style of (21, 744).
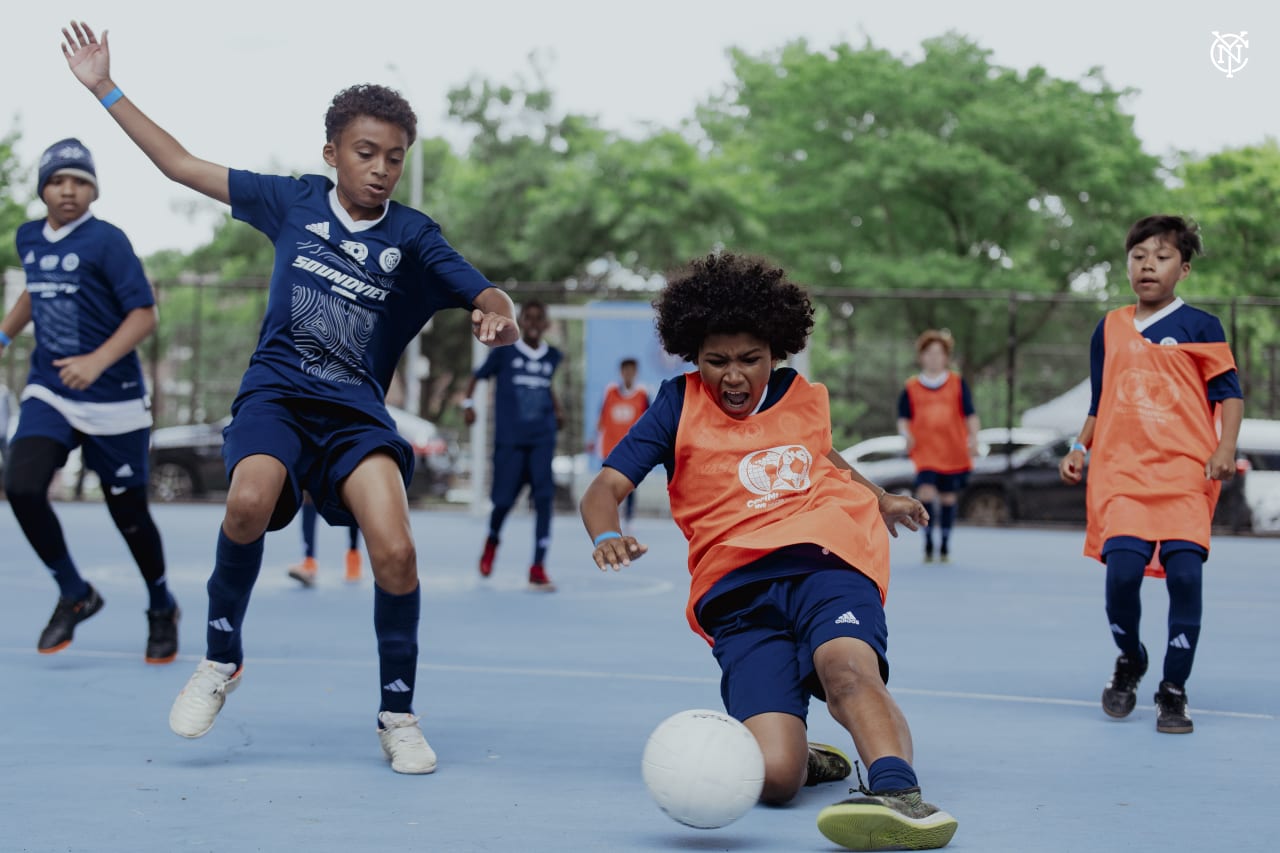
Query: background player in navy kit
(355, 277)
(526, 418)
(92, 305)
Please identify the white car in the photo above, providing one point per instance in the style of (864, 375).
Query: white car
(1259, 447)
(884, 457)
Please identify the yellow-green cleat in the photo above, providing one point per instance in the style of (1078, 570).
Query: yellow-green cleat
(893, 820)
(826, 764)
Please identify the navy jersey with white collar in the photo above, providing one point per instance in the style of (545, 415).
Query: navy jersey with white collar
(83, 279)
(524, 412)
(346, 297)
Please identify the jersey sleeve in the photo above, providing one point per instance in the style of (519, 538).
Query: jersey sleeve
(1097, 352)
(457, 279)
(904, 405)
(261, 200)
(652, 440)
(1224, 386)
(492, 365)
(966, 399)
(121, 267)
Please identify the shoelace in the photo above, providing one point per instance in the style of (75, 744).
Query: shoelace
(209, 680)
(861, 789)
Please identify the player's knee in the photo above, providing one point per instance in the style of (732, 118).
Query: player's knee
(247, 514)
(129, 509)
(850, 678)
(784, 775)
(394, 560)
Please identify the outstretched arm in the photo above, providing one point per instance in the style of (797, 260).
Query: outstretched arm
(90, 60)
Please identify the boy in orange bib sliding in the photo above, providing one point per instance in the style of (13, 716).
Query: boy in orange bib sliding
(788, 549)
(1162, 426)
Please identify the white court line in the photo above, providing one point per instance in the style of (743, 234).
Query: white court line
(598, 675)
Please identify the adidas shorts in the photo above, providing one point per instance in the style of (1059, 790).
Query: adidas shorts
(120, 461)
(319, 445)
(765, 635)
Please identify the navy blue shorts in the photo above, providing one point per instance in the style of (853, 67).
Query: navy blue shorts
(515, 465)
(120, 461)
(1147, 548)
(944, 482)
(318, 444)
(766, 633)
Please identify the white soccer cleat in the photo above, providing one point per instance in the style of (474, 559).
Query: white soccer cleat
(198, 704)
(404, 744)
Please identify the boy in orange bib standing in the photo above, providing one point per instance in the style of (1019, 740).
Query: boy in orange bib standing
(788, 549)
(623, 405)
(1162, 431)
(938, 421)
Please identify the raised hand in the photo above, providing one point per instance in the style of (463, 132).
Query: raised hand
(493, 329)
(88, 58)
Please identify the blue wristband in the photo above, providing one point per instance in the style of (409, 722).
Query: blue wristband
(111, 97)
(5, 340)
(605, 537)
(1078, 446)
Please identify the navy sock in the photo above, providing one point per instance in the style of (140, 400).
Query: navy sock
(1184, 571)
(309, 529)
(946, 518)
(890, 773)
(1124, 599)
(70, 585)
(395, 621)
(496, 518)
(235, 570)
(541, 528)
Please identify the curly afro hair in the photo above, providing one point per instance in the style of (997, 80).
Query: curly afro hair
(369, 99)
(729, 294)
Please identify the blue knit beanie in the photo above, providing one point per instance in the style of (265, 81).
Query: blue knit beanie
(68, 156)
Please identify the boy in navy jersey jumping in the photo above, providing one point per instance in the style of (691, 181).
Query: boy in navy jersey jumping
(526, 418)
(356, 276)
(1162, 375)
(92, 305)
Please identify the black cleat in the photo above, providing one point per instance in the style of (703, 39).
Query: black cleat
(162, 635)
(1171, 710)
(57, 635)
(1120, 694)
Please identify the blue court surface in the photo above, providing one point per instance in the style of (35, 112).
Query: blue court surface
(539, 705)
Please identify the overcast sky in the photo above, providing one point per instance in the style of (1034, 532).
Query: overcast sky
(246, 84)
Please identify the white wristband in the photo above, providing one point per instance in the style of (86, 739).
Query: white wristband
(468, 403)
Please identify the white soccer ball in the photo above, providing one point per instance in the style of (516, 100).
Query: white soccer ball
(703, 768)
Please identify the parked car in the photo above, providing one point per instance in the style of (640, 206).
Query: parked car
(186, 461)
(1025, 486)
(884, 458)
(1259, 447)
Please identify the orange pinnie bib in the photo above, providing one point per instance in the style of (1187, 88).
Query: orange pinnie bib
(618, 414)
(1154, 432)
(938, 427)
(742, 489)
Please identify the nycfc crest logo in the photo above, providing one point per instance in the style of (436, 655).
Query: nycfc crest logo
(1227, 52)
(774, 472)
(389, 259)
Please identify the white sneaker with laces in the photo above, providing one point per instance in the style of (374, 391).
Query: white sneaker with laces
(404, 744)
(198, 704)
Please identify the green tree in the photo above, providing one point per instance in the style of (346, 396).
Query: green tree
(875, 172)
(13, 196)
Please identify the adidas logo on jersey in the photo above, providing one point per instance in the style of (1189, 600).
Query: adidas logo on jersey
(397, 686)
(1180, 642)
(320, 229)
(221, 624)
(847, 618)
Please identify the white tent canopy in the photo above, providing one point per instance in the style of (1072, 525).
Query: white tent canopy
(1064, 413)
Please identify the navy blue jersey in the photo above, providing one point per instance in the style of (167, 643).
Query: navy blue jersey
(524, 411)
(346, 297)
(1177, 323)
(966, 399)
(652, 440)
(83, 279)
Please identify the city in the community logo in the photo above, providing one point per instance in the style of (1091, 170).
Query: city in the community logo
(1227, 52)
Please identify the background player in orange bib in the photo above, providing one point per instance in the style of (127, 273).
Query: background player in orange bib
(623, 405)
(788, 549)
(937, 418)
(1162, 426)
